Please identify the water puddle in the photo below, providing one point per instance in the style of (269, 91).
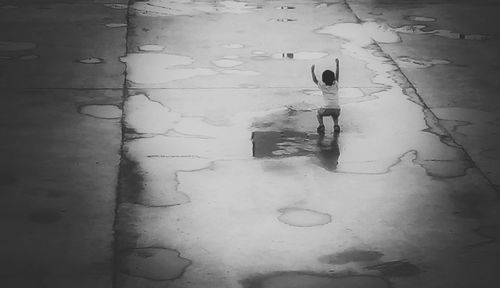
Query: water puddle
(299, 217)
(157, 264)
(396, 269)
(46, 216)
(148, 117)
(151, 48)
(407, 62)
(29, 57)
(16, 46)
(116, 25)
(420, 30)
(300, 55)
(305, 279)
(91, 60)
(240, 72)
(269, 144)
(285, 7)
(226, 63)
(420, 18)
(101, 111)
(233, 46)
(351, 256)
(116, 5)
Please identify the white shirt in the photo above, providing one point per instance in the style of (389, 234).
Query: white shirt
(330, 94)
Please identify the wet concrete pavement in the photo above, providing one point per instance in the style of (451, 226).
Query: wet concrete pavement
(223, 181)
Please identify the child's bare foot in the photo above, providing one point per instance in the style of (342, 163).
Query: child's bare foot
(336, 128)
(321, 129)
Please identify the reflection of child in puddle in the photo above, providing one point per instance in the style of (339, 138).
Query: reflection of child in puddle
(330, 89)
(329, 153)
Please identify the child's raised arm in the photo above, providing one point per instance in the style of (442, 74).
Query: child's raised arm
(315, 80)
(337, 70)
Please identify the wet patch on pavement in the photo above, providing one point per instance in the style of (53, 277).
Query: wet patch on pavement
(306, 279)
(300, 55)
(396, 269)
(146, 116)
(282, 143)
(46, 216)
(445, 168)
(101, 111)
(422, 30)
(16, 46)
(351, 256)
(407, 62)
(299, 217)
(90, 60)
(153, 263)
(151, 48)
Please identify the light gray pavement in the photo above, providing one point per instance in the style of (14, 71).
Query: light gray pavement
(222, 179)
(224, 182)
(61, 136)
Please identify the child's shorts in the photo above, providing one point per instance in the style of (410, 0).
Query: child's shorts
(335, 112)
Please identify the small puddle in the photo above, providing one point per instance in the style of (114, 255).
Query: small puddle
(396, 269)
(157, 264)
(101, 111)
(151, 48)
(116, 25)
(279, 144)
(91, 60)
(420, 18)
(307, 279)
(300, 55)
(226, 63)
(351, 256)
(16, 46)
(299, 217)
(407, 62)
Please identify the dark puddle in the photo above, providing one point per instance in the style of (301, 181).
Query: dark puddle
(279, 144)
(152, 263)
(47, 216)
(396, 269)
(351, 256)
(306, 279)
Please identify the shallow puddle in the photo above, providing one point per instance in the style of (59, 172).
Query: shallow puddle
(16, 46)
(300, 55)
(351, 256)
(157, 264)
(299, 217)
(91, 60)
(151, 48)
(101, 111)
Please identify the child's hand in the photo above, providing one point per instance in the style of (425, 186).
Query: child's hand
(337, 60)
(312, 68)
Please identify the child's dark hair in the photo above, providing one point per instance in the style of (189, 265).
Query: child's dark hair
(328, 77)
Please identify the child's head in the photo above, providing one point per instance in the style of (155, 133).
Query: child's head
(328, 77)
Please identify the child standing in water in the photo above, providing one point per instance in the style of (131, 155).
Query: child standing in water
(330, 89)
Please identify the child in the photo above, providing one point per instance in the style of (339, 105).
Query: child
(330, 89)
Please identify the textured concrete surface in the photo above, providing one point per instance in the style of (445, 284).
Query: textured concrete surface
(173, 144)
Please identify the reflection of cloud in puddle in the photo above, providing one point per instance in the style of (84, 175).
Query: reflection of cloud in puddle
(91, 60)
(146, 116)
(407, 62)
(116, 25)
(226, 63)
(155, 68)
(303, 217)
(101, 111)
(187, 8)
(16, 46)
(151, 48)
(300, 55)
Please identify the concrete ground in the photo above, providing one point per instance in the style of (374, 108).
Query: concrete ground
(214, 176)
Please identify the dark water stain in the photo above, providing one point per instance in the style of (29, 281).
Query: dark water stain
(153, 263)
(46, 216)
(7, 178)
(280, 144)
(131, 181)
(308, 279)
(351, 256)
(396, 269)
(489, 231)
(469, 203)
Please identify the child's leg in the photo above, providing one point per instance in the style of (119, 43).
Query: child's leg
(320, 117)
(335, 120)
